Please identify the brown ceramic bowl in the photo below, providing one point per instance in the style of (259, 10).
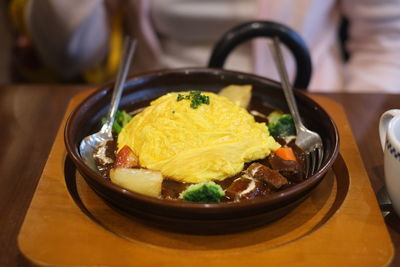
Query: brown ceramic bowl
(192, 217)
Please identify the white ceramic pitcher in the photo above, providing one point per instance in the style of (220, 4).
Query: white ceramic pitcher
(389, 132)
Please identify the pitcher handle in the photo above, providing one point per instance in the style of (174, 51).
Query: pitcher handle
(269, 29)
(384, 123)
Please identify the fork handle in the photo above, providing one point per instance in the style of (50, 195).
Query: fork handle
(287, 87)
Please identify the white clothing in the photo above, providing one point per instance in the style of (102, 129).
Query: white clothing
(177, 33)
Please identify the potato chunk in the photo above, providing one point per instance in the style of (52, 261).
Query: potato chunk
(240, 94)
(141, 181)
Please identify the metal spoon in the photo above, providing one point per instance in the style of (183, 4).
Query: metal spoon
(89, 143)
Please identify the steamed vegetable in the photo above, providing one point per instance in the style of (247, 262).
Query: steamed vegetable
(121, 119)
(285, 153)
(240, 94)
(209, 192)
(141, 181)
(125, 158)
(280, 124)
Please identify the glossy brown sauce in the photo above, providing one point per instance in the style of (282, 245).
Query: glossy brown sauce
(237, 187)
(104, 157)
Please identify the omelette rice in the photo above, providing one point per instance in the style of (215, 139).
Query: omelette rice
(193, 144)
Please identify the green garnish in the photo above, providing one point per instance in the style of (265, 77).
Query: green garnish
(180, 97)
(196, 99)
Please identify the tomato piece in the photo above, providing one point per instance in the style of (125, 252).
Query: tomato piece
(126, 158)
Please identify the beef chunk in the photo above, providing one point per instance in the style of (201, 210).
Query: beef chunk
(291, 169)
(271, 177)
(245, 187)
(300, 154)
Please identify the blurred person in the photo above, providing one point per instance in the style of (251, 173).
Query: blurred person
(84, 36)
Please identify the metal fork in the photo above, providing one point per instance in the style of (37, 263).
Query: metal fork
(307, 140)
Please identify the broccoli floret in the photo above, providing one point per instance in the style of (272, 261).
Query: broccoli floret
(209, 192)
(121, 119)
(280, 124)
(274, 116)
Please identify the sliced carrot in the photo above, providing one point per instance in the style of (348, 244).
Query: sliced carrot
(286, 153)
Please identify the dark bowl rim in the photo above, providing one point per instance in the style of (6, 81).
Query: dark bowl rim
(288, 194)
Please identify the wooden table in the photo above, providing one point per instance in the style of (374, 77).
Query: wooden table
(30, 116)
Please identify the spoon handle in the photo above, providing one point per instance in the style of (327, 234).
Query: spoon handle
(287, 87)
(128, 50)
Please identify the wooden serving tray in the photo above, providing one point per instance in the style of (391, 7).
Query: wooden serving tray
(67, 224)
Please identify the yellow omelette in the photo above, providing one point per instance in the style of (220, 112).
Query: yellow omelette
(187, 144)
